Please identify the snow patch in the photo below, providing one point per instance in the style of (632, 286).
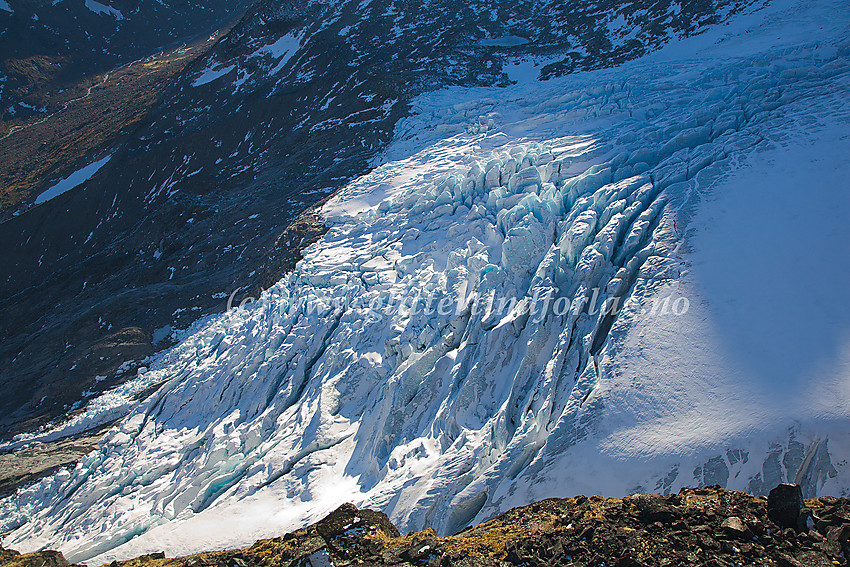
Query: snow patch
(103, 9)
(72, 181)
(282, 49)
(209, 75)
(504, 41)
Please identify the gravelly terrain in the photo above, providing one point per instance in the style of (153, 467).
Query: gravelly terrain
(707, 527)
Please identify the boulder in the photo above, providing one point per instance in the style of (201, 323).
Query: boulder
(653, 508)
(348, 519)
(735, 527)
(785, 504)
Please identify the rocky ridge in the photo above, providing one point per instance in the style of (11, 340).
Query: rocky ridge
(709, 527)
(20, 468)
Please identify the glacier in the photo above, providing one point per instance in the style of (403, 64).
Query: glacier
(624, 280)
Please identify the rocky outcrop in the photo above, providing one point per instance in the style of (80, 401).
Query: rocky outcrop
(9, 558)
(22, 467)
(708, 527)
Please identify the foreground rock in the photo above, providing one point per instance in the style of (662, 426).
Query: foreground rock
(785, 506)
(708, 527)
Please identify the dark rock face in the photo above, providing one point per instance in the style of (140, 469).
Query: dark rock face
(785, 504)
(705, 527)
(46, 45)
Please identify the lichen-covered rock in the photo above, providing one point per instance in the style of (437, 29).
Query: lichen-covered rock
(10, 558)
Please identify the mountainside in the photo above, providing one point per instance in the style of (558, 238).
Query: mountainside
(614, 281)
(190, 204)
(76, 79)
(45, 46)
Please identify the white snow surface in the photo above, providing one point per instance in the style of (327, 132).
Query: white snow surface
(284, 47)
(72, 181)
(703, 190)
(209, 75)
(99, 9)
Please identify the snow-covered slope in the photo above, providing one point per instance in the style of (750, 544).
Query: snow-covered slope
(624, 280)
